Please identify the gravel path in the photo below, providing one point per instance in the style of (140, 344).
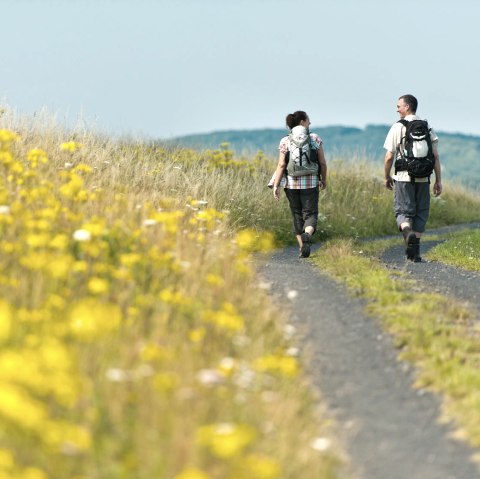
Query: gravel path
(436, 277)
(390, 430)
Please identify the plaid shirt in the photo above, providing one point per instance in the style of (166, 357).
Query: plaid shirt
(299, 182)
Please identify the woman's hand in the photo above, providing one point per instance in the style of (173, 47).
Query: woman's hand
(276, 192)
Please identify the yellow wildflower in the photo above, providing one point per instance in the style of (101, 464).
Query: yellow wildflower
(214, 280)
(7, 137)
(275, 363)
(16, 167)
(32, 473)
(35, 260)
(6, 158)
(226, 440)
(72, 187)
(36, 156)
(91, 319)
(70, 146)
(251, 241)
(154, 352)
(169, 296)
(60, 266)
(80, 267)
(55, 301)
(39, 240)
(261, 467)
(59, 242)
(192, 473)
(209, 217)
(5, 320)
(226, 318)
(82, 168)
(6, 460)
(166, 381)
(98, 285)
(17, 407)
(168, 219)
(70, 436)
(96, 227)
(130, 259)
(196, 335)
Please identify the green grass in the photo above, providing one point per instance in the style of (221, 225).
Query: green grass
(462, 250)
(436, 334)
(356, 204)
(144, 347)
(167, 299)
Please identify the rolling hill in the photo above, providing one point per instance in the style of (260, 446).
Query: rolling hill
(460, 154)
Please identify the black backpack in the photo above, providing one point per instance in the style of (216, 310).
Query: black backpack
(417, 156)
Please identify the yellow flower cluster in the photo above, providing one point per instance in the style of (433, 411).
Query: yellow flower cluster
(115, 309)
(223, 158)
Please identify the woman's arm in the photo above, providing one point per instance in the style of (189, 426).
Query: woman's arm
(281, 167)
(323, 167)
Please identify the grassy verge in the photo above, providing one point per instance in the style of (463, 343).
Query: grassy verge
(433, 332)
(135, 340)
(462, 250)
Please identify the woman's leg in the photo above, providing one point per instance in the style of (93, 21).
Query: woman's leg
(295, 202)
(309, 199)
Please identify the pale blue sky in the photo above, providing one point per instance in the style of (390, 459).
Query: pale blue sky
(170, 67)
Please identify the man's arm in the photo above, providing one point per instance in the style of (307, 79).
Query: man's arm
(437, 187)
(388, 168)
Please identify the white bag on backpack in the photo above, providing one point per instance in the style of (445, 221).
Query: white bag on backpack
(302, 157)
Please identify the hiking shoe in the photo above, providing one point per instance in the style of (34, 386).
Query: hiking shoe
(411, 241)
(416, 251)
(305, 249)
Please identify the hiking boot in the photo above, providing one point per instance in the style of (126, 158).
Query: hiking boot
(410, 240)
(416, 251)
(305, 249)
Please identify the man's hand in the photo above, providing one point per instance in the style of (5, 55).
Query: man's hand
(322, 184)
(389, 183)
(437, 188)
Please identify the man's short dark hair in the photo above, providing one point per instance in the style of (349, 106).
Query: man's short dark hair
(411, 101)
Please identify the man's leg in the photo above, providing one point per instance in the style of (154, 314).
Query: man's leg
(405, 210)
(422, 201)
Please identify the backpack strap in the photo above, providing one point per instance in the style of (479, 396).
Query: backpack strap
(400, 164)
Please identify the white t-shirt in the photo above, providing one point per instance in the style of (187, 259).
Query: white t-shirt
(394, 139)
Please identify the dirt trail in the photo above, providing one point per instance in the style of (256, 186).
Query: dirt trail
(390, 430)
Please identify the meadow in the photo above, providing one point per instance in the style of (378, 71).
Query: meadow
(136, 338)
(461, 249)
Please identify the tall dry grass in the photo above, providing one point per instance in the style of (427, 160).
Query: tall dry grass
(135, 338)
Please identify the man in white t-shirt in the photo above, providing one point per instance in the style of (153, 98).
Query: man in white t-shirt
(411, 199)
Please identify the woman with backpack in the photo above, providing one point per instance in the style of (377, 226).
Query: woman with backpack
(301, 170)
